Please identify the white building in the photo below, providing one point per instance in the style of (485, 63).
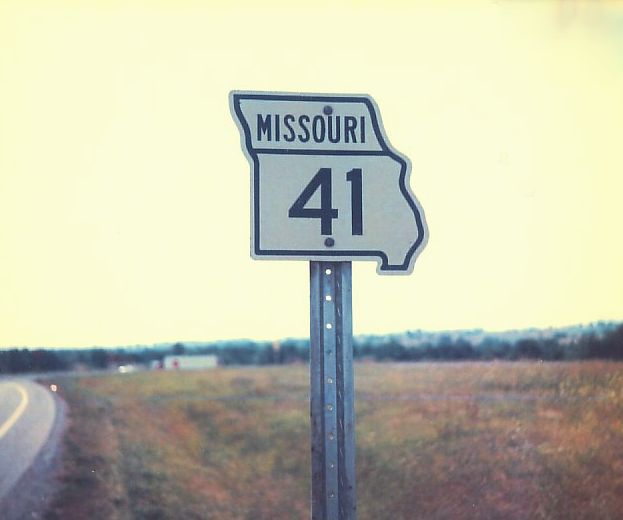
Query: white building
(190, 362)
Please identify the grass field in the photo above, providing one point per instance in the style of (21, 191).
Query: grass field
(434, 441)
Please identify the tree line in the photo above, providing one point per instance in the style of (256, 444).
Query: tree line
(445, 347)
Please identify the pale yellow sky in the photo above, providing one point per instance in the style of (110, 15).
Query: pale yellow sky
(124, 194)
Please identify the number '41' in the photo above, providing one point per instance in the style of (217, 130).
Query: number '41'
(326, 213)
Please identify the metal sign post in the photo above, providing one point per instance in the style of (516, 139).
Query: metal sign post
(326, 186)
(332, 393)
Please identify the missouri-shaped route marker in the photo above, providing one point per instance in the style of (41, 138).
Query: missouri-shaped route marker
(326, 184)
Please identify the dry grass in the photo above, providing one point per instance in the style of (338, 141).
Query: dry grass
(434, 441)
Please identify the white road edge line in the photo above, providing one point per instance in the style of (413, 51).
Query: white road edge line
(8, 424)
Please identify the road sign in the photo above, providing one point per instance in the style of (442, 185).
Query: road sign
(326, 183)
(328, 187)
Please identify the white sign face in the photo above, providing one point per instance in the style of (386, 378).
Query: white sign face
(326, 184)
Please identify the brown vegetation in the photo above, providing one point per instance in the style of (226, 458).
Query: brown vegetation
(434, 441)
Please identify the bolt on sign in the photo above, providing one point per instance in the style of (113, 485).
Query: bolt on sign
(328, 187)
(326, 183)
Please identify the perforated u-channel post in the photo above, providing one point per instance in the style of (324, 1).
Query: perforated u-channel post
(332, 394)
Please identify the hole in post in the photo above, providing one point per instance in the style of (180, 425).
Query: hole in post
(328, 298)
(329, 326)
(327, 272)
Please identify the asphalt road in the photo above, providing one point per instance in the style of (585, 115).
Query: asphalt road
(27, 416)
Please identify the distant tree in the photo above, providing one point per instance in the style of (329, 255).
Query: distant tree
(609, 346)
(493, 348)
(19, 361)
(551, 350)
(267, 354)
(443, 348)
(362, 349)
(292, 350)
(463, 349)
(46, 361)
(392, 350)
(426, 350)
(99, 358)
(178, 349)
(239, 353)
(576, 350)
(593, 346)
(528, 349)
(4, 362)
(615, 339)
